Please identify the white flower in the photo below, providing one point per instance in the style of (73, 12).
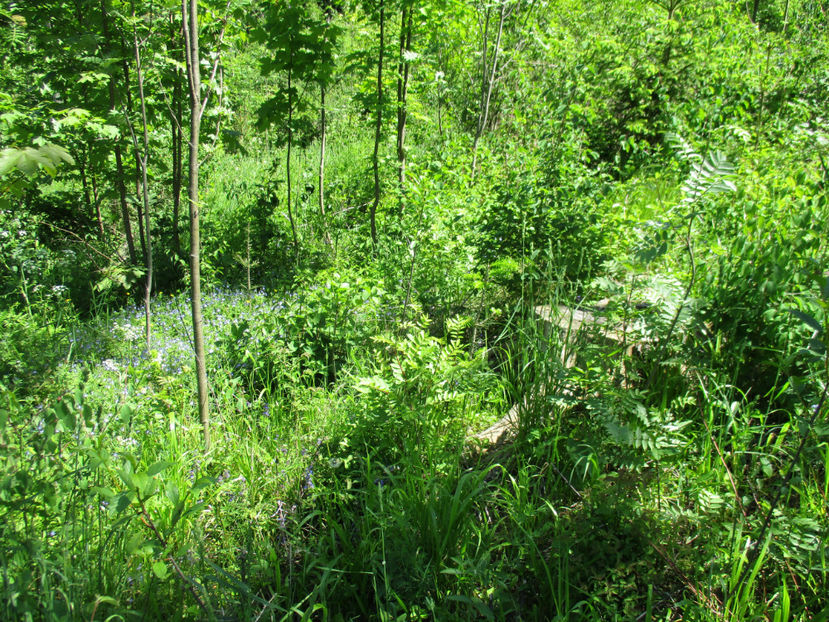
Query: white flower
(129, 332)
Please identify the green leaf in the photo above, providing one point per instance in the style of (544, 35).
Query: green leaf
(172, 493)
(126, 414)
(160, 569)
(135, 543)
(201, 483)
(158, 467)
(807, 319)
(106, 493)
(124, 501)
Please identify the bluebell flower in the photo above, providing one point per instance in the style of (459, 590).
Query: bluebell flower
(308, 484)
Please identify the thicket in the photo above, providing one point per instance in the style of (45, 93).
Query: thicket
(398, 203)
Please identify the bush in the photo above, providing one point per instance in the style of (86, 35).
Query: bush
(559, 212)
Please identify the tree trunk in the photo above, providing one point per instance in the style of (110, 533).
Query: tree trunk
(82, 162)
(128, 90)
(145, 194)
(491, 81)
(119, 163)
(177, 143)
(122, 199)
(97, 200)
(191, 40)
(402, 90)
(288, 156)
(377, 128)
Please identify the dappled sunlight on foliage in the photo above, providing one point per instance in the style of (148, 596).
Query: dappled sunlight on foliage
(511, 310)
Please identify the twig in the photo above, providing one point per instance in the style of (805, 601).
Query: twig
(728, 472)
(752, 556)
(145, 518)
(712, 602)
(81, 240)
(217, 61)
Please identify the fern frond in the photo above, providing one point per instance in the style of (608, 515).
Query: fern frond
(683, 148)
(711, 176)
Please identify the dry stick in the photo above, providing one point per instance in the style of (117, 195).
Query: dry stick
(265, 608)
(82, 241)
(728, 472)
(567, 481)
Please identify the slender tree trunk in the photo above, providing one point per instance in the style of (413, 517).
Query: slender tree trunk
(97, 200)
(145, 194)
(140, 214)
(321, 180)
(377, 129)
(122, 199)
(288, 156)
(491, 81)
(82, 162)
(119, 163)
(177, 142)
(402, 90)
(440, 95)
(484, 64)
(191, 40)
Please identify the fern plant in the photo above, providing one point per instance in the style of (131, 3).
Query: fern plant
(640, 434)
(709, 175)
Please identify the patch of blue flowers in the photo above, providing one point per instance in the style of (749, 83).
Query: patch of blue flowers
(116, 343)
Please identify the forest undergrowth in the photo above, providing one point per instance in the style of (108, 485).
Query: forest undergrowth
(599, 227)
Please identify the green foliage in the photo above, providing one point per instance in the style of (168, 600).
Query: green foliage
(30, 160)
(418, 398)
(660, 168)
(28, 353)
(300, 45)
(549, 206)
